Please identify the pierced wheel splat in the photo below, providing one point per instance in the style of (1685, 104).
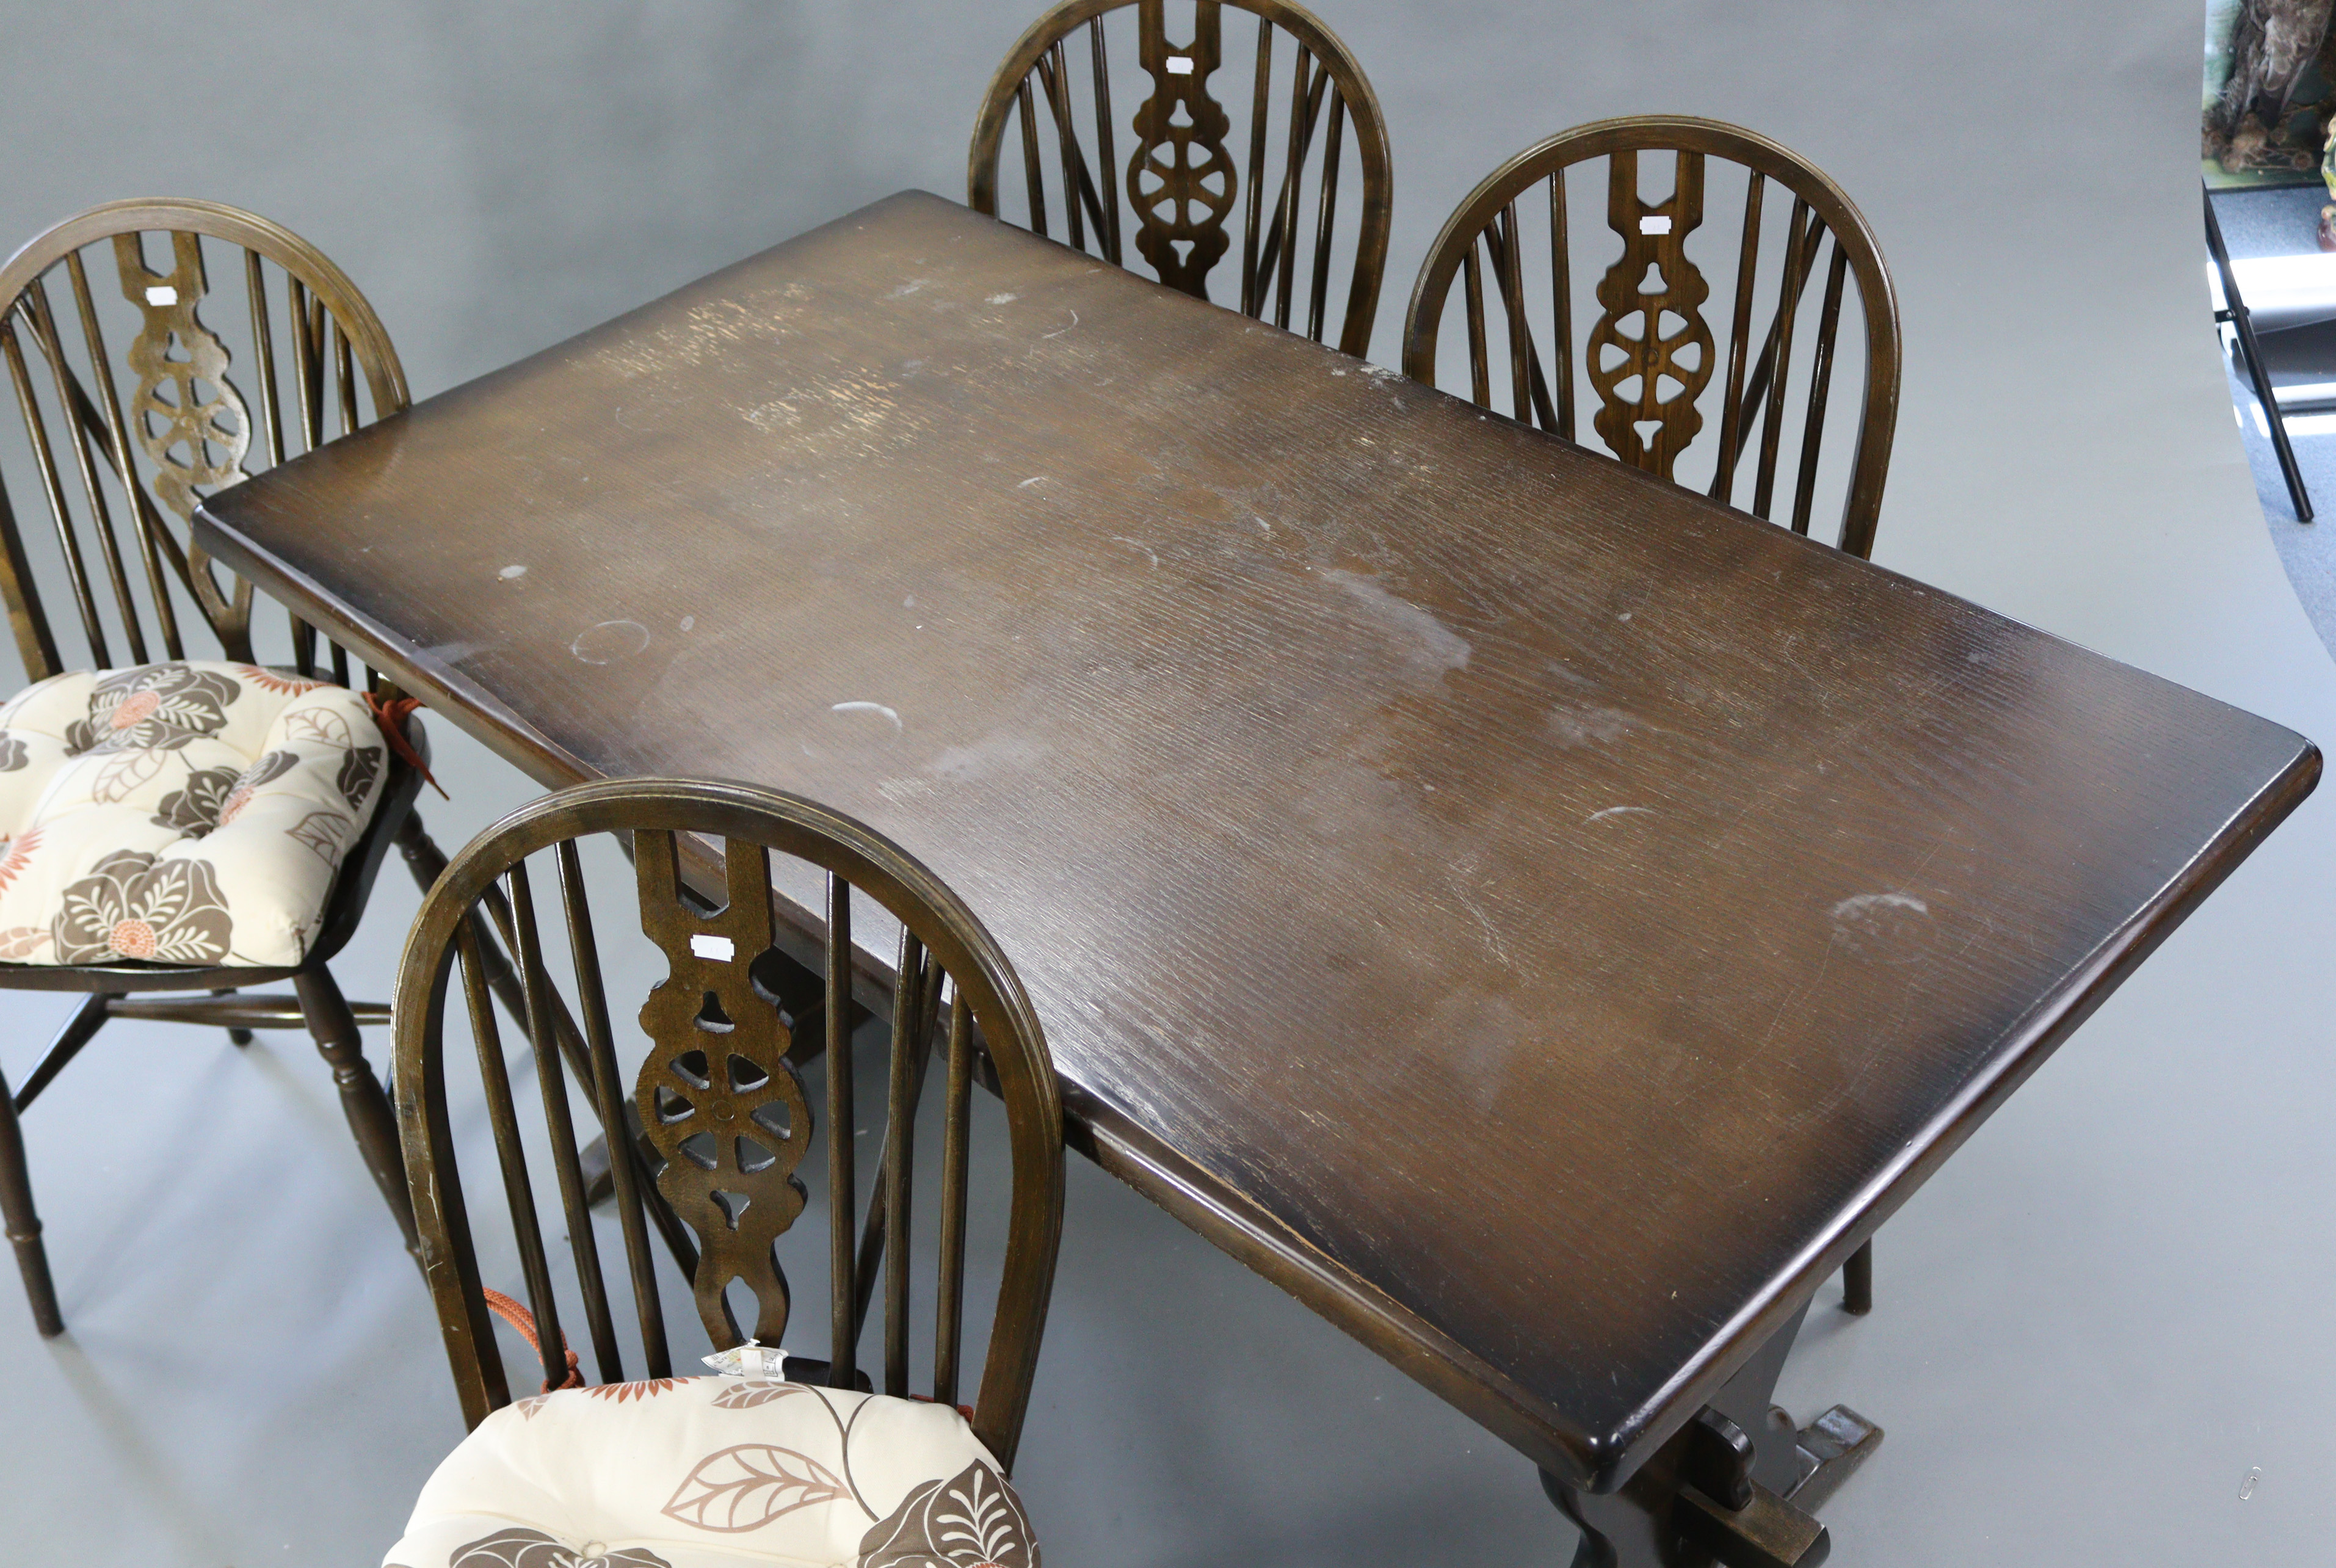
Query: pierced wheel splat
(719, 1101)
(1647, 371)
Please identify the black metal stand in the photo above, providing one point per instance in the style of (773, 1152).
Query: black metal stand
(2234, 311)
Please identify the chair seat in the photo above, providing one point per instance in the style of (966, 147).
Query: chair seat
(190, 813)
(717, 1472)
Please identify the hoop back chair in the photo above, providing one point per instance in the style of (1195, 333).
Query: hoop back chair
(1181, 181)
(1649, 354)
(725, 1122)
(120, 474)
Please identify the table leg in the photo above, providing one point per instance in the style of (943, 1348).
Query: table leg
(1735, 1487)
(1630, 1528)
(1857, 1280)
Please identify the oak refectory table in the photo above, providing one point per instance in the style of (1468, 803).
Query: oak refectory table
(1540, 919)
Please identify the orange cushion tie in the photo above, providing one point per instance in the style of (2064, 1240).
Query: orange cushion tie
(390, 713)
(521, 1319)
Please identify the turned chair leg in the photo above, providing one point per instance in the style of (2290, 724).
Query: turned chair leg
(23, 1221)
(363, 1099)
(1857, 1279)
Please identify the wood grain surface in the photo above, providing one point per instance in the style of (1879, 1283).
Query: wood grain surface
(1541, 918)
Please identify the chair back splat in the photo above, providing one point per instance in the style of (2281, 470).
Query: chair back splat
(1650, 355)
(749, 901)
(1189, 170)
(240, 346)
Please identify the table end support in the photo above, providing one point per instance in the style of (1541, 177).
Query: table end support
(1827, 1451)
(1737, 1487)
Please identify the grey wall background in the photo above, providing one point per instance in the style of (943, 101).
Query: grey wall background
(2094, 1323)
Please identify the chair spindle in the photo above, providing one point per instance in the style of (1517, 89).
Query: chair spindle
(1776, 357)
(503, 1116)
(899, 1160)
(157, 549)
(37, 431)
(1034, 182)
(1054, 77)
(100, 516)
(609, 1093)
(1108, 197)
(552, 1088)
(1820, 385)
(1731, 405)
(842, 1174)
(1262, 83)
(949, 1312)
(1480, 370)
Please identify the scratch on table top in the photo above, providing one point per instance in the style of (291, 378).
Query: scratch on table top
(869, 707)
(1600, 816)
(1793, 995)
(610, 641)
(1865, 903)
(1492, 942)
(1840, 743)
(1887, 928)
(994, 753)
(1580, 727)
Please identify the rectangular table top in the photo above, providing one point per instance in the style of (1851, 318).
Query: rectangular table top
(1539, 917)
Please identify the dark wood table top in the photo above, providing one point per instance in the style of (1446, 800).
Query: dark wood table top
(1540, 918)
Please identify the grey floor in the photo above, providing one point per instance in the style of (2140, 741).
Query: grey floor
(2106, 1311)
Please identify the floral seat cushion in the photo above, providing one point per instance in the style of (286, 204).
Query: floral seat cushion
(717, 1472)
(190, 813)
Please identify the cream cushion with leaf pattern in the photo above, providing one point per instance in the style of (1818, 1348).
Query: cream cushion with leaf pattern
(717, 1472)
(190, 813)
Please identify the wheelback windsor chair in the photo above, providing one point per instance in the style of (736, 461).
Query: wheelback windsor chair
(120, 477)
(1649, 354)
(727, 1126)
(1181, 182)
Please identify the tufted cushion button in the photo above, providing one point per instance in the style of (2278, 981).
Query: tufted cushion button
(194, 811)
